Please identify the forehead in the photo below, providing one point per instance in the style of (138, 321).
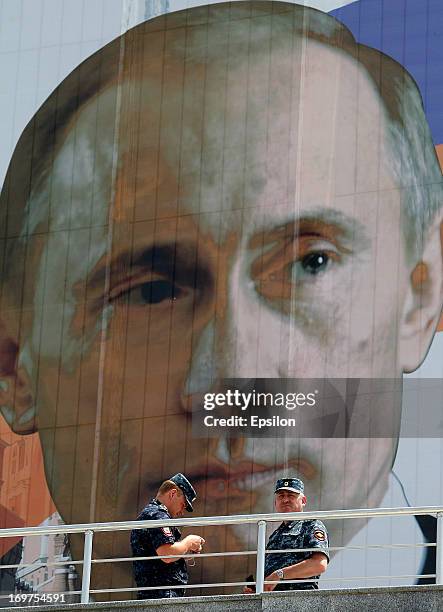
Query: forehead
(278, 132)
(285, 493)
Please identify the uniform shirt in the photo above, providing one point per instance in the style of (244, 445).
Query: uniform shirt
(144, 543)
(295, 534)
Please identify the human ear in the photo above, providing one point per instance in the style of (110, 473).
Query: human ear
(16, 398)
(423, 303)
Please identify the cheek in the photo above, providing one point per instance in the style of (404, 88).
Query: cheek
(374, 329)
(355, 331)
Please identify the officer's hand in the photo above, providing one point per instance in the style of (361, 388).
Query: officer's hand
(271, 587)
(247, 590)
(195, 543)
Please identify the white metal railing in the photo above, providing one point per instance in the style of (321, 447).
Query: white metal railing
(261, 520)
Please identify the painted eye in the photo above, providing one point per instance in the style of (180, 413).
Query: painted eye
(150, 292)
(314, 263)
(155, 292)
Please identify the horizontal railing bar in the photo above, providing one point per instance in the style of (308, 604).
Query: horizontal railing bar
(346, 548)
(187, 556)
(270, 552)
(49, 564)
(245, 583)
(240, 519)
(379, 577)
(219, 554)
(232, 584)
(366, 546)
(172, 587)
(216, 554)
(222, 584)
(254, 552)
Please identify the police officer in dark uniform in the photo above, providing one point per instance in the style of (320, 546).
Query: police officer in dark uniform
(311, 534)
(173, 497)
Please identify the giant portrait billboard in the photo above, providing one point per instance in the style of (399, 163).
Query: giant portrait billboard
(231, 196)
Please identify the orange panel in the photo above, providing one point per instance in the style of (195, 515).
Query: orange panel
(24, 497)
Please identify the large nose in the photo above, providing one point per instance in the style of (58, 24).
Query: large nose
(233, 341)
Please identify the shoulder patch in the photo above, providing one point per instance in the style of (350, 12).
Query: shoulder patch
(319, 535)
(167, 531)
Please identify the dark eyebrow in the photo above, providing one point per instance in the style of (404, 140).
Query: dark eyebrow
(126, 260)
(170, 258)
(317, 219)
(331, 216)
(349, 226)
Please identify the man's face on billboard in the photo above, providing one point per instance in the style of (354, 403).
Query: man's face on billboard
(252, 231)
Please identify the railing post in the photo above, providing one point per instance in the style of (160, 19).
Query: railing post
(261, 547)
(439, 561)
(87, 556)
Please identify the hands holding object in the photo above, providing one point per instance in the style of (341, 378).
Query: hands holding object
(196, 546)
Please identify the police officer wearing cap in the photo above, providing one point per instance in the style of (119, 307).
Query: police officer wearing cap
(173, 497)
(311, 534)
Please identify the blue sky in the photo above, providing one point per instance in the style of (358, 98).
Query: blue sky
(411, 31)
